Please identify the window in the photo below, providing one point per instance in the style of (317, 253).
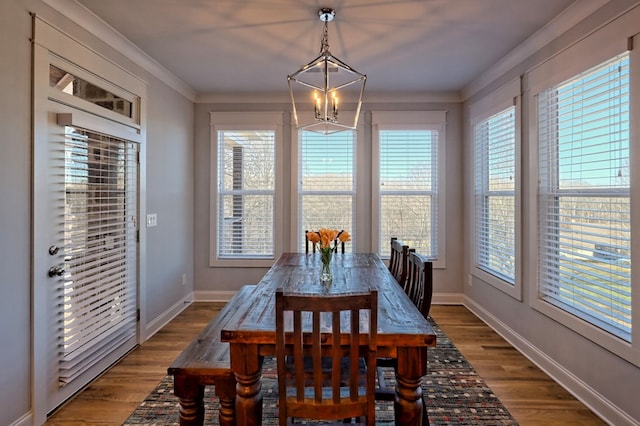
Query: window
(245, 188)
(407, 181)
(326, 183)
(495, 194)
(495, 134)
(584, 197)
(66, 82)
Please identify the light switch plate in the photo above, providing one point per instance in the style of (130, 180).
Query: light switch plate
(152, 220)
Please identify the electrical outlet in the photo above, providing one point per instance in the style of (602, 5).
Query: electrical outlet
(152, 220)
(470, 280)
(184, 279)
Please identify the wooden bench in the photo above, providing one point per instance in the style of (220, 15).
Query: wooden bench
(204, 362)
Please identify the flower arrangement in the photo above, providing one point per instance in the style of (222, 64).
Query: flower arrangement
(326, 242)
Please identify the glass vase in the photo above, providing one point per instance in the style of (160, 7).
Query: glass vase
(325, 274)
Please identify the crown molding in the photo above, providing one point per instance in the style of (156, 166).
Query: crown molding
(369, 97)
(568, 18)
(99, 28)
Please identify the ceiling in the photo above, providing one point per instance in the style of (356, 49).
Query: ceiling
(243, 46)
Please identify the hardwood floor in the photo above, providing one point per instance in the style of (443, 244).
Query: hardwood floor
(528, 393)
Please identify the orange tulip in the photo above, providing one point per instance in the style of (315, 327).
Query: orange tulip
(344, 236)
(325, 237)
(314, 237)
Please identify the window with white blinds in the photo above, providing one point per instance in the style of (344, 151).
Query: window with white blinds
(408, 189)
(584, 194)
(495, 202)
(97, 296)
(246, 194)
(326, 188)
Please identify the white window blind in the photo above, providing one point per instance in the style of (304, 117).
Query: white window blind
(97, 295)
(246, 193)
(584, 218)
(326, 189)
(408, 191)
(495, 174)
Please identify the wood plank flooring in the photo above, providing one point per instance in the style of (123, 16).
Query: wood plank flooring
(528, 393)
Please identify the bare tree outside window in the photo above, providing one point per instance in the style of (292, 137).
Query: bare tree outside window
(408, 189)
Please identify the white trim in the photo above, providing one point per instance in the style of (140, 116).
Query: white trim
(212, 295)
(502, 98)
(595, 401)
(86, 120)
(496, 101)
(166, 317)
(601, 45)
(403, 120)
(447, 299)
(368, 97)
(49, 43)
(26, 420)
(568, 18)
(246, 121)
(96, 26)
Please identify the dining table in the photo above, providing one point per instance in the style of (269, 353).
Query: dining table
(403, 332)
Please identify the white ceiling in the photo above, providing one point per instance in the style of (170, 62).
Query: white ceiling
(419, 46)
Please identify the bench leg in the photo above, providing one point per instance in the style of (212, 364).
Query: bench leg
(226, 392)
(191, 396)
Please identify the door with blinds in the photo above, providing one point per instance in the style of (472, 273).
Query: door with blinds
(91, 280)
(88, 131)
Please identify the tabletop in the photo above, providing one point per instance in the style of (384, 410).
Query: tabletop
(400, 323)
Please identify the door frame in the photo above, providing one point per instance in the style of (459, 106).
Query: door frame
(50, 44)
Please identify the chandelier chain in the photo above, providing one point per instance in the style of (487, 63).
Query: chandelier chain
(324, 45)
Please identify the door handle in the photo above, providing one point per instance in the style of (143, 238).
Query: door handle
(56, 271)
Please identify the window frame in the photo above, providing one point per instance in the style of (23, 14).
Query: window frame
(409, 120)
(507, 96)
(608, 42)
(296, 190)
(243, 121)
(360, 227)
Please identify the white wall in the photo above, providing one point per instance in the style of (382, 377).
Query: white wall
(606, 383)
(214, 283)
(168, 192)
(15, 226)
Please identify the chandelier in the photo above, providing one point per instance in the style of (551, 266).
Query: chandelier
(327, 84)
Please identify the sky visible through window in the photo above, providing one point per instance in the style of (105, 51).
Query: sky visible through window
(593, 124)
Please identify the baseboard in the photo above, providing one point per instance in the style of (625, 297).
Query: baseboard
(596, 402)
(212, 296)
(25, 420)
(153, 326)
(447, 299)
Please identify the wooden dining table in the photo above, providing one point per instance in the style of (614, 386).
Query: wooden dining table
(403, 332)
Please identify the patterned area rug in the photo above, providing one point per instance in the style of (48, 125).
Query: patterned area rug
(454, 393)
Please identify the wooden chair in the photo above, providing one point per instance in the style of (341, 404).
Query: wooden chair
(398, 260)
(315, 330)
(309, 246)
(419, 287)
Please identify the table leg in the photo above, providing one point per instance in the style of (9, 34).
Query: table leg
(409, 405)
(247, 366)
(190, 393)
